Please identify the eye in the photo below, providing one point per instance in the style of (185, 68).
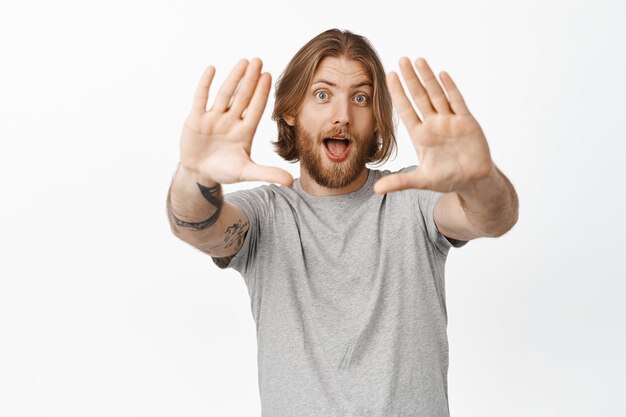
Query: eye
(361, 98)
(321, 95)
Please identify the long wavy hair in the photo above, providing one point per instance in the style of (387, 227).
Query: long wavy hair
(293, 83)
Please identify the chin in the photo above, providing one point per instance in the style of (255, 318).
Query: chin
(337, 175)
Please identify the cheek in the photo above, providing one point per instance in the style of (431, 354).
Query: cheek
(311, 125)
(366, 123)
(307, 115)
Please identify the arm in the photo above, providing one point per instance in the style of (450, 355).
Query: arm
(215, 149)
(200, 216)
(454, 156)
(485, 208)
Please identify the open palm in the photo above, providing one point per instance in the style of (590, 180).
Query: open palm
(450, 144)
(215, 144)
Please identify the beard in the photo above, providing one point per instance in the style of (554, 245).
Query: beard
(329, 174)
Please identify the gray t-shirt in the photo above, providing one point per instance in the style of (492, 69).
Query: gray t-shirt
(347, 293)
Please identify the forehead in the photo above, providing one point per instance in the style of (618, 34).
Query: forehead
(341, 71)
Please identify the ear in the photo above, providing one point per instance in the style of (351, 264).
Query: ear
(291, 121)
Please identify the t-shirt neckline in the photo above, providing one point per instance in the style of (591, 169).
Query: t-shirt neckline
(366, 188)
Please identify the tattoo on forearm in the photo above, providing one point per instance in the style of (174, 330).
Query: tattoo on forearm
(235, 233)
(212, 195)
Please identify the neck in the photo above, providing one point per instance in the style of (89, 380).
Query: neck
(314, 189)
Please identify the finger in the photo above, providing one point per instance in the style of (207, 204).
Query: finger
(227, 89)
(202, 90)
(401, 101)
(400, 181)
(254, 172)
(259, 100)
(434, 90)
(456, 99)
(418, 92)
(246, 87)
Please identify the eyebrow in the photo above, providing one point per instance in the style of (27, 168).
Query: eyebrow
(364, 83)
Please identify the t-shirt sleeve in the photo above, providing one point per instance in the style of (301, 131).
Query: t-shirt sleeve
(426, 202)
(256, 203)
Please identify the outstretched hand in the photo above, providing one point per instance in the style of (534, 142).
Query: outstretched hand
(450, 144)
(215, 144)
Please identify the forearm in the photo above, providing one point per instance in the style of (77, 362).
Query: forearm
(490, 204)
(193, 209)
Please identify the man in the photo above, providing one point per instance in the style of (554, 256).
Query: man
(344, 265)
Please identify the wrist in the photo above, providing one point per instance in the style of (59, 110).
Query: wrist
(188, 175)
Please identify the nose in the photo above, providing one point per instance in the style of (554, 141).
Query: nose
(341, 113)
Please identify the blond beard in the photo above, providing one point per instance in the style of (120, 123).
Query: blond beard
(325, 172)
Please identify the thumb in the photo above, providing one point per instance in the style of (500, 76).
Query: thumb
(255, 172)
(401, 181)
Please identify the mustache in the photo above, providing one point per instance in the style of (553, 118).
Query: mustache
(339, 131)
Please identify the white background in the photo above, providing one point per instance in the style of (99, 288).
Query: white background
(104, 312)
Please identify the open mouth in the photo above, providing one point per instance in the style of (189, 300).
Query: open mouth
(337, 147)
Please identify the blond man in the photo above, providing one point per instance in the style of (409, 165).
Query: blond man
(345, 264)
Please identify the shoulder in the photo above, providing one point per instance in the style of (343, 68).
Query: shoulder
(262, 201)
(261, 194)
